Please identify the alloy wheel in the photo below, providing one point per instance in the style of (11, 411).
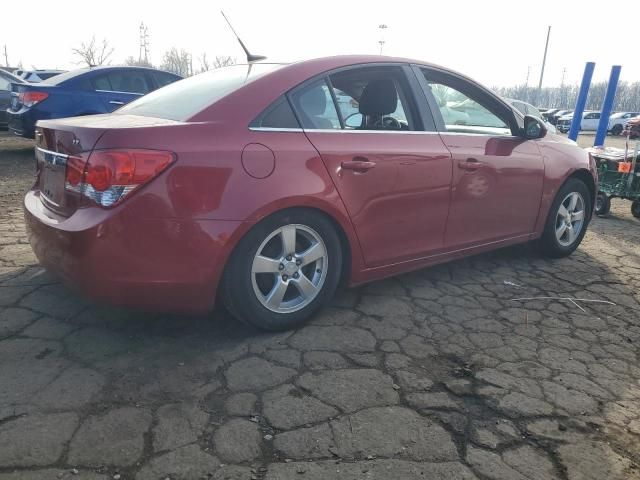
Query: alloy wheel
(570, 219)
(289, 268)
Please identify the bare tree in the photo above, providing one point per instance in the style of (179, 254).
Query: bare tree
(219, 62)
(627, 96)
(177, 61)
(92, 53)
(134, 62)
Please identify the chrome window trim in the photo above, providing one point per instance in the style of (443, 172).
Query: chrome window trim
(52, 157)
(394, 132)
(118, 91)
(274, 129)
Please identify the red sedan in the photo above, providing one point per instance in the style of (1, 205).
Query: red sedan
(266, 185)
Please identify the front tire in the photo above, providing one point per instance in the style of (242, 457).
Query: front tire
(284, 270)
(617, 129)
(635, 208)
(567, 221)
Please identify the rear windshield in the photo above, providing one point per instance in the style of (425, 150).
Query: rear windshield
(57, 79)
(183, 99)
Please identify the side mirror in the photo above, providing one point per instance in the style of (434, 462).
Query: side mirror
(354, 120)
(533, 128)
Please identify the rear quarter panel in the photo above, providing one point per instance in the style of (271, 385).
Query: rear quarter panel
(209, 184)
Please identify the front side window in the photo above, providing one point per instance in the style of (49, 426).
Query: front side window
(465, 109)
(315, 107)
(373, 98)
(4, 84)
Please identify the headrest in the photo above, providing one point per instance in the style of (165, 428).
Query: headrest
(379, 97)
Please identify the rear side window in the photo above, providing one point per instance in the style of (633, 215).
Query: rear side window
(129, 82)
(278, 115)
(182, 100)
(163, 79)
(101, 82)
(4, 84)
(315, 107)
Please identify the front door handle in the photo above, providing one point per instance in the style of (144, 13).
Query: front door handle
(358, 164)
(470, 164)
(116, 102)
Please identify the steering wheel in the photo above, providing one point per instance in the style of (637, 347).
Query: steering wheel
(388, 123)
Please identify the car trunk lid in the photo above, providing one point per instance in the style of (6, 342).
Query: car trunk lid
(65, 144)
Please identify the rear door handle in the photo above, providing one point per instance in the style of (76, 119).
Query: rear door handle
(116, 102)
(359, 164)
(470, 164)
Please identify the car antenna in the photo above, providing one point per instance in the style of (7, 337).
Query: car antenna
(250, 58)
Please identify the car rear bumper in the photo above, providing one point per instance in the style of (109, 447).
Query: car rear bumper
(22, 123)
(165, 265)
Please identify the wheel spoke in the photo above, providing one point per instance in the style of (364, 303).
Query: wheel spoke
(560, 231)
(572, 202)
(562, 211)
(288, 240)
(262, 264)
(274, 299)
(305, 287)
(576, 216)
(571, 234)
(311, 254)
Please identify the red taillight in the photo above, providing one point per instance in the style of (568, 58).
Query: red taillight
(29, 99)
(110, 175)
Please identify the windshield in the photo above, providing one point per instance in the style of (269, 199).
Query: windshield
(183, 99)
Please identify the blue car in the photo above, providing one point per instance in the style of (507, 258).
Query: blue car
(80, 92)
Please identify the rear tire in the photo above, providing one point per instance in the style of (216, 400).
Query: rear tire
(635, 208)
(603, 204)
(283, 270)
(567, 220)
(616, 130)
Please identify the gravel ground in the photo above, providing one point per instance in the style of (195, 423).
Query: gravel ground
(438, 374)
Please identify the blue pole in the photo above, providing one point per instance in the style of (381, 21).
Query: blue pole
(607, 106)
(582, 100)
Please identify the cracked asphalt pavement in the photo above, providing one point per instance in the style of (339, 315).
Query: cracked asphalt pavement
(437, 374)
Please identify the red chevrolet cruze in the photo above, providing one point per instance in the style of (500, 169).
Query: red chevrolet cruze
(266, 185)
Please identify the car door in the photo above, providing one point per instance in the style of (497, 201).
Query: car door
(389, 166)
(497, 176)
(590, 121)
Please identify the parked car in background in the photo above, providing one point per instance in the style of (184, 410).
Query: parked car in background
(528, 109)
(553, 118)
(37, 76)
(589, 122)
(632, 128)
(618, 120)
(6, 79)
(547, 115)
(252, 184)
(81, 92)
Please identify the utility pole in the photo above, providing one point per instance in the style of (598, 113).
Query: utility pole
(382, 28)
(143, 54)
(526, 83)
(544, 59)
(6, 56)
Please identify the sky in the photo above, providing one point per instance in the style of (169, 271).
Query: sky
(497, 42)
